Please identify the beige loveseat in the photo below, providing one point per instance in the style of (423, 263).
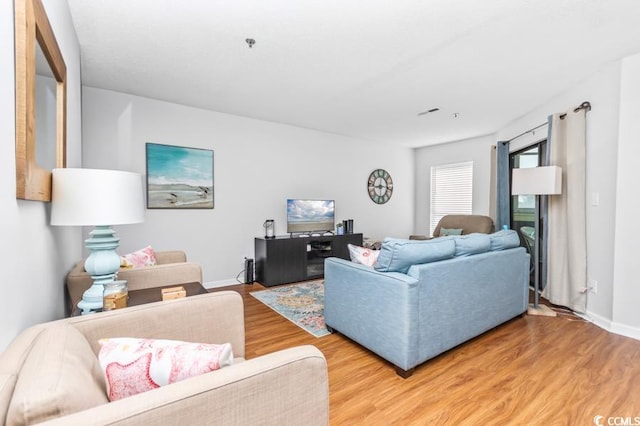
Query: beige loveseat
(469, 223)
(50, 372)
(172, 269)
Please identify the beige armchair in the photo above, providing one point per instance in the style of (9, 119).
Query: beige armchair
(172, 269)
(50, 373)
(469, 223)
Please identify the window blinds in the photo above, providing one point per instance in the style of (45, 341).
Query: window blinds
(451, 191)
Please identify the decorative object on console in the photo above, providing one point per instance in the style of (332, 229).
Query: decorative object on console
(100, 198)
(179, 177)
(348, 226)
(269, 228)
(544, 180)
(380, 186)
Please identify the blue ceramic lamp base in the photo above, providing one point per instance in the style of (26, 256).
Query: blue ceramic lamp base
(102, 264)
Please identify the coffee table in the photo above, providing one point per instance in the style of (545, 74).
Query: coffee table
(150, 295)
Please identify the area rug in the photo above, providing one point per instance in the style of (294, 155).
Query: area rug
(302, 304)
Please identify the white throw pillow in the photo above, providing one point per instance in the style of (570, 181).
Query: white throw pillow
(138, 259)
(363, 255)
(132, 365)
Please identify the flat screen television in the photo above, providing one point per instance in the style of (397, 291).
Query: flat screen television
(310, 215)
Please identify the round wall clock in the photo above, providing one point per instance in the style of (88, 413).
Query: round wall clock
(380, 186)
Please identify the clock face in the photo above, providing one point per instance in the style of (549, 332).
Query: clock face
(380, 186)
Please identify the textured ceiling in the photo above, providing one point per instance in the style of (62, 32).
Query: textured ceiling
(358, 68)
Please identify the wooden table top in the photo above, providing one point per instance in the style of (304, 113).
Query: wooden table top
(149, 295)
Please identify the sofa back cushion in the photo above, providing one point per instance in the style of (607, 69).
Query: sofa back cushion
(60, 375)
(397, 255)
(467, 245)
(504, 239)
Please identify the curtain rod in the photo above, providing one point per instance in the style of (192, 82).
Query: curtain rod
(585, 105)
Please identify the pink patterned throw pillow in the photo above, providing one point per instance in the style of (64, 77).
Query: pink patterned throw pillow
(132, 365)
(363, 255)
(137, 259)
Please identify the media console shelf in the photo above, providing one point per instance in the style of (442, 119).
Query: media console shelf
(287, 259)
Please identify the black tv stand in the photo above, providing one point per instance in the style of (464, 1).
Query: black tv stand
(289, 259)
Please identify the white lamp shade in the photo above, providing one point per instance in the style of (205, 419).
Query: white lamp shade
(545, 180)
(90, 197)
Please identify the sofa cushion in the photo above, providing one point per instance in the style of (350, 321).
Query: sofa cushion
(60, 376)
(363, 255)
(135, 365)
(504, 239)
(467, 245)
(397, 255)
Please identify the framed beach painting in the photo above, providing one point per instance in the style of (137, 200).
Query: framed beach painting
(179, 177)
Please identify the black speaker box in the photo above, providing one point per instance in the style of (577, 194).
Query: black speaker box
(248, 271)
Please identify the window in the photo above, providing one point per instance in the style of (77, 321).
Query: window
(451, 191)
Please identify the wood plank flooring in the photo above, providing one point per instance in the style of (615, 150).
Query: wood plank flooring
(529, 371)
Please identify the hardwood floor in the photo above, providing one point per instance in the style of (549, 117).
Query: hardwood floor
(529, 371)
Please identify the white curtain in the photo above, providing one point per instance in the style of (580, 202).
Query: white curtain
(567, 245)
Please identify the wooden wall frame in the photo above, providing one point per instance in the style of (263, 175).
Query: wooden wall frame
(33, 182)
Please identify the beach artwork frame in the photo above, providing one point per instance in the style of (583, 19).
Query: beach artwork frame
(179, 177)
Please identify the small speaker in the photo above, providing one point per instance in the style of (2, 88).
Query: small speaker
(248, 271)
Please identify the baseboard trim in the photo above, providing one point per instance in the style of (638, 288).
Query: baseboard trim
(626, 330)
(612, 326)
(221, 283)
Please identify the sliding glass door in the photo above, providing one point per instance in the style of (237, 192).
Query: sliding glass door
(523, 207)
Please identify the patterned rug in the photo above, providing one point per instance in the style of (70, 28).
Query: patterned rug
(302, 304)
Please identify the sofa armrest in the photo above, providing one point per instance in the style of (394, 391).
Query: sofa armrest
(207, 318)
(161, 275)
(285, 387)
(379, 310)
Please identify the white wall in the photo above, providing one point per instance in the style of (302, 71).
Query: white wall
(626, 292)
(477, 150)
(34, 257)
(257, 166)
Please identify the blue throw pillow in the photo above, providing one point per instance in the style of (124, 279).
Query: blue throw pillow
(504, 239)
(467, 245)
(398, 255)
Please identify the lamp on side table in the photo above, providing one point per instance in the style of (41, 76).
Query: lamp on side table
(544, 180)
(100, 198)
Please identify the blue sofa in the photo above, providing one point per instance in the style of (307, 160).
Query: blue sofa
(423, 298)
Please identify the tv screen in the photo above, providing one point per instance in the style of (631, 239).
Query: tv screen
(310, 215)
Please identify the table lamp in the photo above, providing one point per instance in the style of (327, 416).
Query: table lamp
(544, 180)
(100, 198)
